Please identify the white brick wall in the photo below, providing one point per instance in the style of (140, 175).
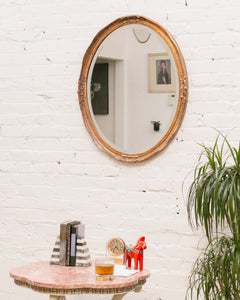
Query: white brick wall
(51, 171)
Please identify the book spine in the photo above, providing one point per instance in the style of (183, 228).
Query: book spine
(81, 230)
(63, 244)
(68, 244)
(69, 241)
(73, 245)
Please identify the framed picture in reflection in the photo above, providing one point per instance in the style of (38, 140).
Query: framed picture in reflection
(160, 73)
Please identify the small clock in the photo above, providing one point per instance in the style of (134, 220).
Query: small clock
(116, 246)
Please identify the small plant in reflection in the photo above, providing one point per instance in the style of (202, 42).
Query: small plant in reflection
(156, 125)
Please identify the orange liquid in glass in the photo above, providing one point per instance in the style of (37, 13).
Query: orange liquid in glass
(105, 269)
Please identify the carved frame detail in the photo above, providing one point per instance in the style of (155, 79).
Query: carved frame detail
(183, 89)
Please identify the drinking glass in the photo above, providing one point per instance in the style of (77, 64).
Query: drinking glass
(104, 268)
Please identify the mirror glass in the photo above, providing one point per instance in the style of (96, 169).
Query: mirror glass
(133, 89)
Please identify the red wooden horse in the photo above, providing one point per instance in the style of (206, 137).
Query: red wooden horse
(136, 253)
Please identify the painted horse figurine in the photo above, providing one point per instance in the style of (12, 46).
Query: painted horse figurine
(136, 253)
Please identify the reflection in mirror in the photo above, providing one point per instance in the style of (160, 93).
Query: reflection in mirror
(132, 89)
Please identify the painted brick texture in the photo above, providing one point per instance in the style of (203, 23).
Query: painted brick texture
(51, 171)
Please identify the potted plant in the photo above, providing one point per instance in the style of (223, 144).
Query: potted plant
(213, 203)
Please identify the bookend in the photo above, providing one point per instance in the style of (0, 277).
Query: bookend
(83, 258)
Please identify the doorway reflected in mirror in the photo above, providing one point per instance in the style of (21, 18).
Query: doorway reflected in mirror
(142, 65)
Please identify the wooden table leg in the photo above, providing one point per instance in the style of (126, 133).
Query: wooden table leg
(56, 297)
(118, 296)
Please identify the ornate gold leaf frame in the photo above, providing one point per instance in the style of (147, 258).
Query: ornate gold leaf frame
(183, 88)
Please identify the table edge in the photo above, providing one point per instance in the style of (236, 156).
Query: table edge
(75, 291)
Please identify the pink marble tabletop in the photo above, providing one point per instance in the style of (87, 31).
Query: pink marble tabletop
(42, 274)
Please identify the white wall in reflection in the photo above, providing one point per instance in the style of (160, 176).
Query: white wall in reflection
(127, 127)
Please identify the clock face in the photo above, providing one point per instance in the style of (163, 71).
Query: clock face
(116, 246)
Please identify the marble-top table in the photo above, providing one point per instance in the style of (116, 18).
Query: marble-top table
(58, 281)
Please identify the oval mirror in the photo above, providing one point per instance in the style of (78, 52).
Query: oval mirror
(133, 88)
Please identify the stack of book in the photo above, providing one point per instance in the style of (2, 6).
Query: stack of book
(71, 248)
